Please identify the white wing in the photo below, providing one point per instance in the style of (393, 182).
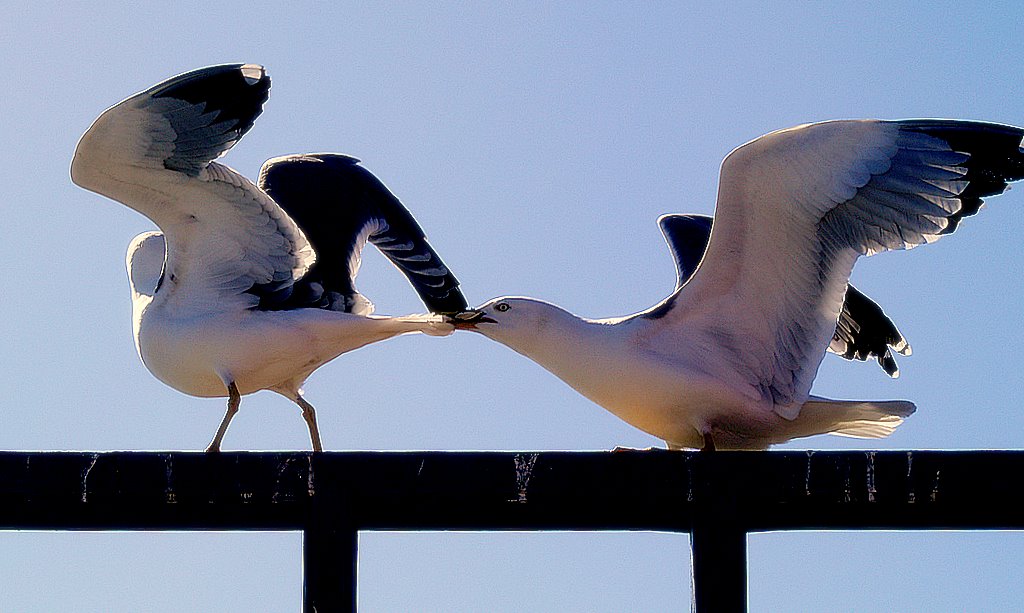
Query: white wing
(795, 210)
(153, 152)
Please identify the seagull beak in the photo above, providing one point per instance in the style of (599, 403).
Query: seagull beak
(467, 320)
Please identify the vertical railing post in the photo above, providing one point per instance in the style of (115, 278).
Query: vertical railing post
(330, 552)
(718, 541)
(329, 565)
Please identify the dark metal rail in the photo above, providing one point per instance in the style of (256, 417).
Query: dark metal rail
(718, 497)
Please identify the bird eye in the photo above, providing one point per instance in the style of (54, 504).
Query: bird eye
(501, 307)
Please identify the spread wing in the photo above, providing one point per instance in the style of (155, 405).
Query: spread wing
(154, 152)
(795, 210)
(863, 330)
(340, 205)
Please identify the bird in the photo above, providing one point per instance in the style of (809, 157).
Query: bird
(728, 359)
(248, 287)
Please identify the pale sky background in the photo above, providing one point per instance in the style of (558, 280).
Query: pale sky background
(537, 144)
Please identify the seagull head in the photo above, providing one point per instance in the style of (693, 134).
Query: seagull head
(543, 332)
(509, 317)
(495, 313)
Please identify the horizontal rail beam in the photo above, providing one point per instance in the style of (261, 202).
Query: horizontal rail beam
(632, 490)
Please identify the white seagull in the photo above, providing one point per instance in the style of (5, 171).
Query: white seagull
(727, 360)
(248, 287)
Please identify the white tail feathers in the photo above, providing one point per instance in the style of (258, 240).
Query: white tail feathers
(857, 419)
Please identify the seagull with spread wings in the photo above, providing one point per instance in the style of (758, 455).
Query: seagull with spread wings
(248, 287)
(728, 359)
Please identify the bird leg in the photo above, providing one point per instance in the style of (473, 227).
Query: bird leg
(234, 399)
(309, 414)
(709, 443)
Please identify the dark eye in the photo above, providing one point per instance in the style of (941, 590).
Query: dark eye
(501, 307)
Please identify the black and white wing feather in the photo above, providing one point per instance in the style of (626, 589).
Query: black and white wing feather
(863, 330)
(154, 152)
(340, 205)
(797, 207)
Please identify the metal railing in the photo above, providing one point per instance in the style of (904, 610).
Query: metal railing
(717, 497)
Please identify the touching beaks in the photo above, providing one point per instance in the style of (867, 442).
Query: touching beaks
(467, 320)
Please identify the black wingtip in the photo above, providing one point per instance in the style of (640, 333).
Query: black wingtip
(996, 158)
(677, 222)
(687, 237)
(869, 331)
(209, 110)
(236, 92)
(888, 364)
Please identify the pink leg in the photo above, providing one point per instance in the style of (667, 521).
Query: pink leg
(234, 399)
(309, 414)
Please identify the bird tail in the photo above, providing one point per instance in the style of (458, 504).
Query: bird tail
(857, 419)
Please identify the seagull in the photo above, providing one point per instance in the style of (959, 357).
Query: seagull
(248, 287)
(727, 360)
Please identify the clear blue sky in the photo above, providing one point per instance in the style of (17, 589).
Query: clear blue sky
(537, 144)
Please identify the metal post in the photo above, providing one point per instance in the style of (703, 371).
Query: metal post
(329, 558)
(330, 544)
(718, 540)
(719, 552)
